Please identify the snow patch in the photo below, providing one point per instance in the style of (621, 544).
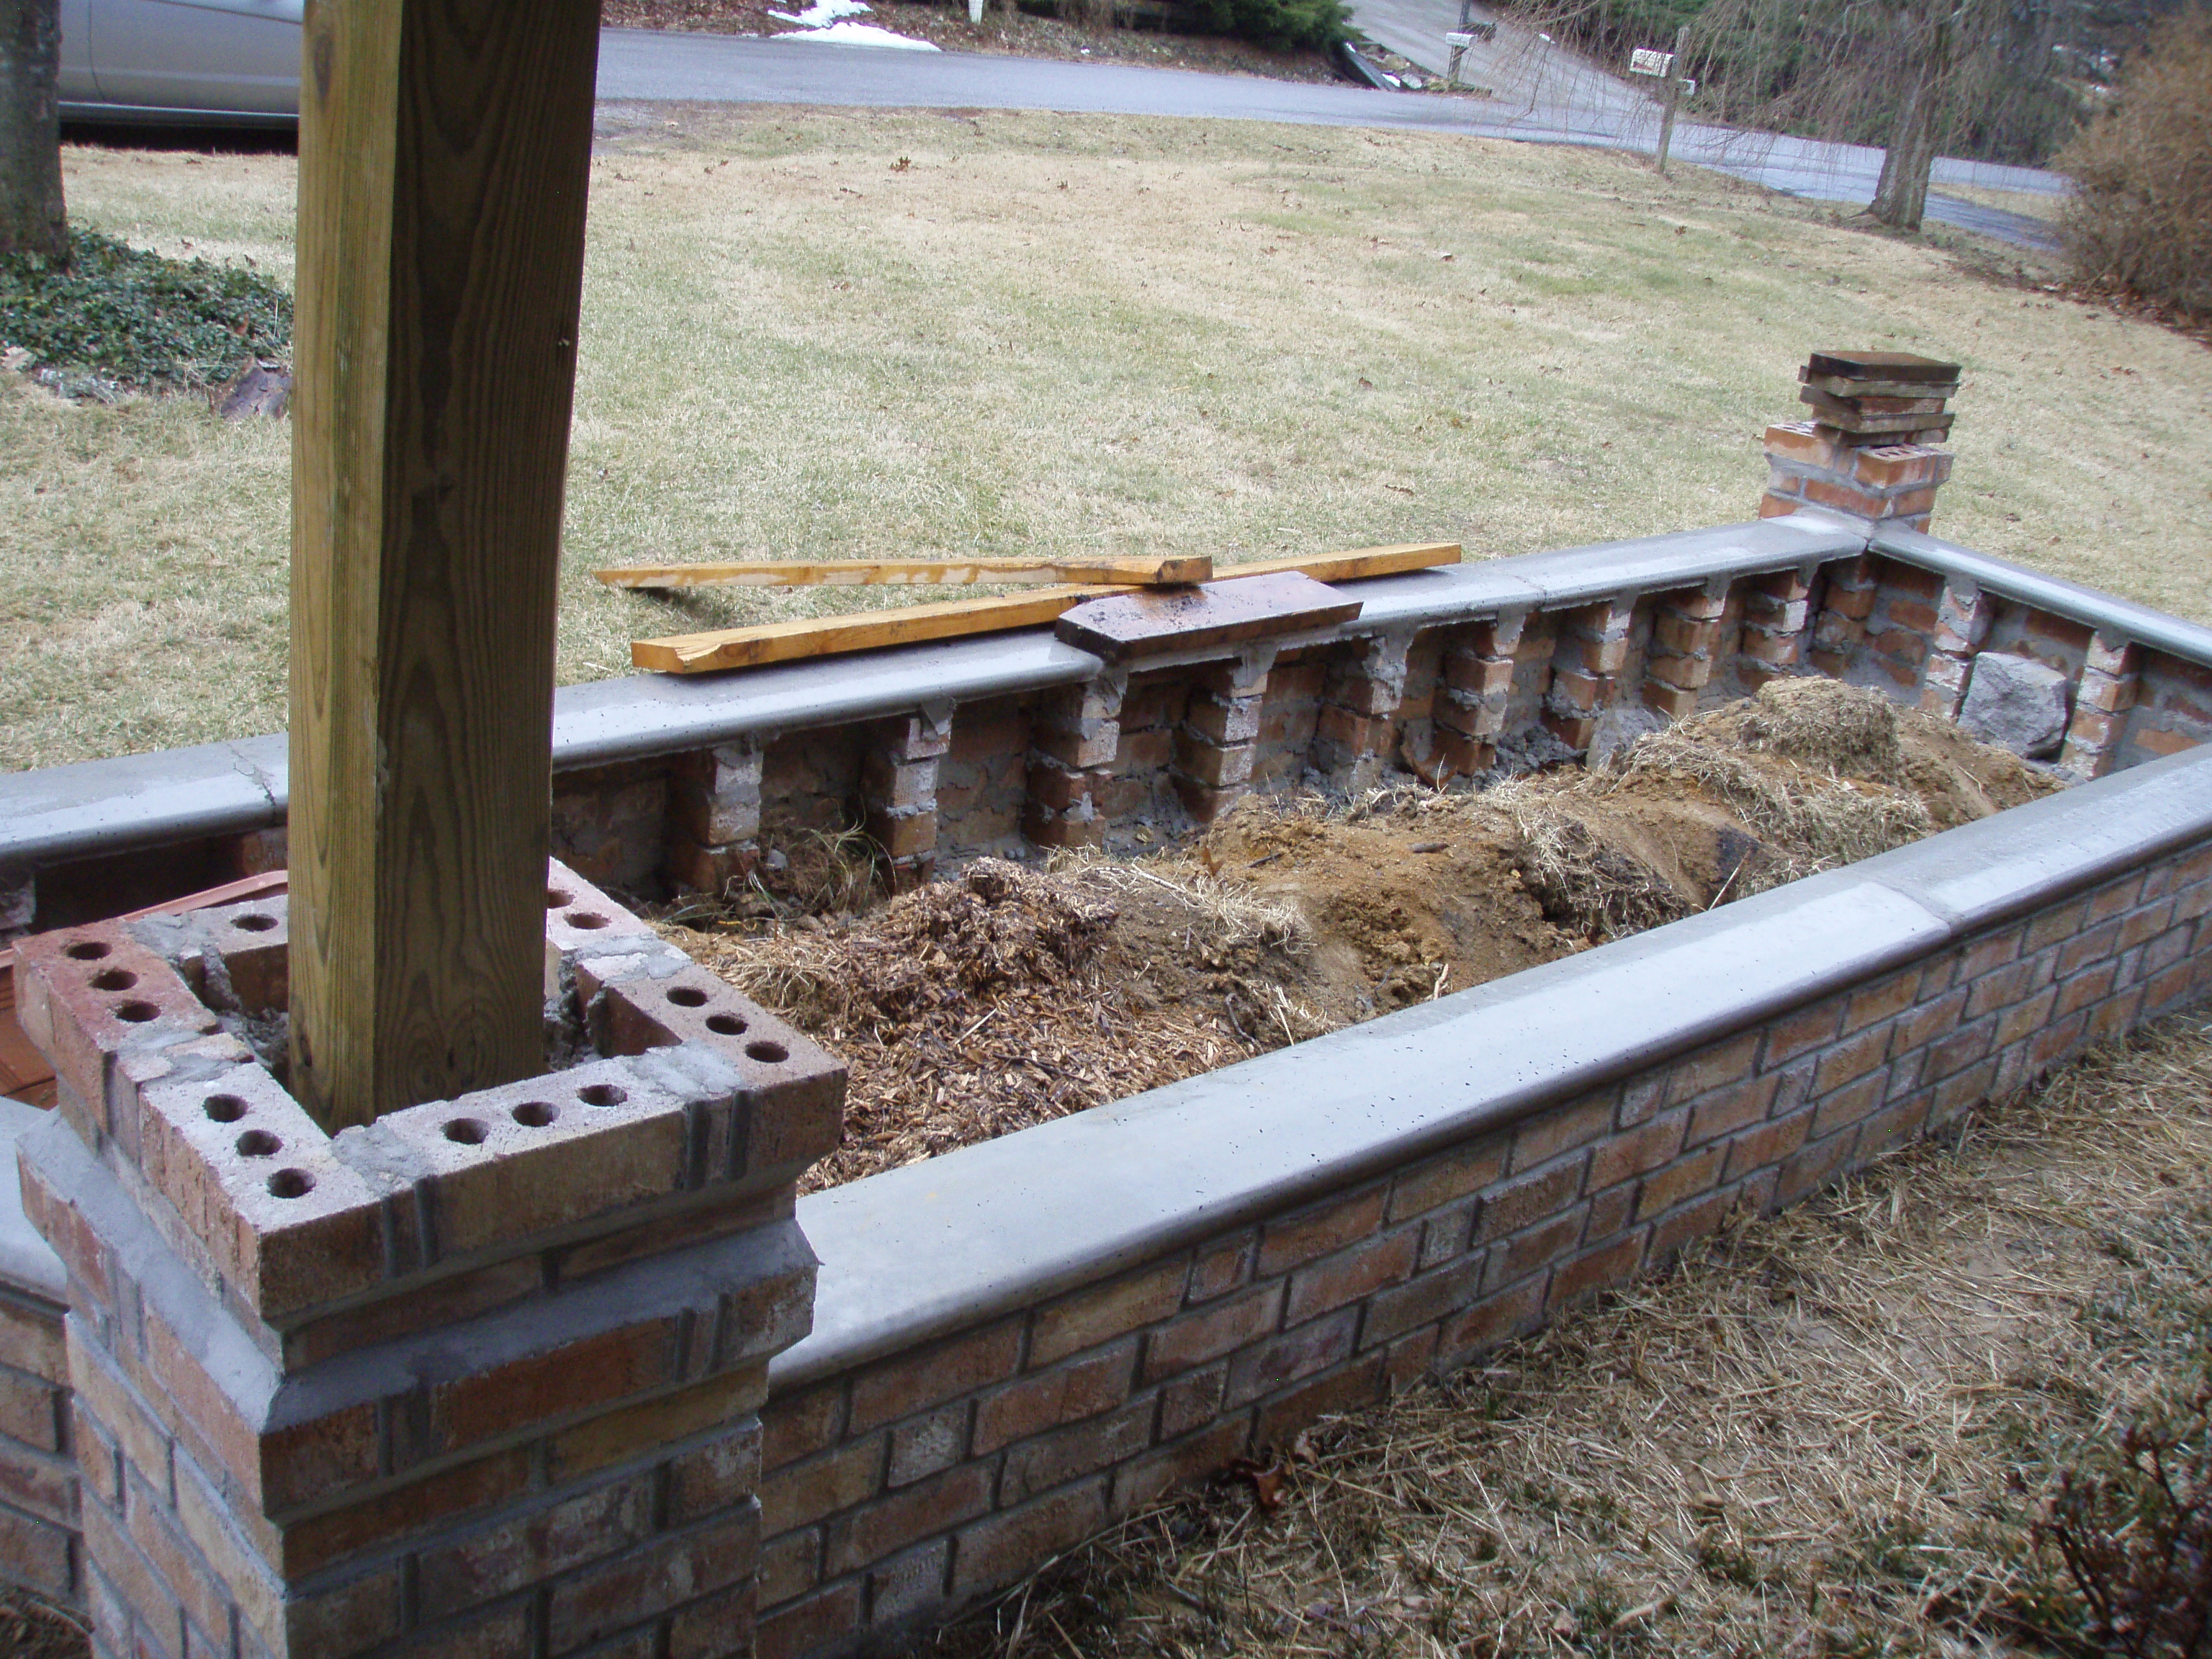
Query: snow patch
(857, 35)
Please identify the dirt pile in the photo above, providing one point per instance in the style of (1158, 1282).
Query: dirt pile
(1007, 996)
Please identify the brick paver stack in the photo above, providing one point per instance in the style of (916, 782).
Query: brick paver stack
(1871, 446)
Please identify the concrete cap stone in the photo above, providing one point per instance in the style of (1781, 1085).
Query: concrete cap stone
(27, 1262)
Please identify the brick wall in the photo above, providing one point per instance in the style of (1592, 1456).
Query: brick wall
(39, 1545)
(946, 1458)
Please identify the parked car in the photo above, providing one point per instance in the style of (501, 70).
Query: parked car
(236, 62)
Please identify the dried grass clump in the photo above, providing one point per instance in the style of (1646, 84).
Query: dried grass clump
(1580, 877)
(1224, 921)
(1844, 729)
(1825, 1433)
(2140, 219)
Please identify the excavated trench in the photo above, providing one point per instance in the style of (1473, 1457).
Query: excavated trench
(1004, 995)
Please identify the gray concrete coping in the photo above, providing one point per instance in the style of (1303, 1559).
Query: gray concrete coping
(28, 1264)
(2106, 612)
(937, 1247)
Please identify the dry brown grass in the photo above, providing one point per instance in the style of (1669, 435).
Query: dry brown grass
(1076, 334)
(1824, 1433)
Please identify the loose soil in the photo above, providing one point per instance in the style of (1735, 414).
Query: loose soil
(1006, 996)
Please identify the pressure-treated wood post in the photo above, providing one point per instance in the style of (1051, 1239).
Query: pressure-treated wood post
(444, 153)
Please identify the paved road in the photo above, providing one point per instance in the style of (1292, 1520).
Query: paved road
(1541, 94)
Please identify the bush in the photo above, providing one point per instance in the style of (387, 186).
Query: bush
(1317, 23)
(137, 317)
(2134, 1526)
(2140, 221)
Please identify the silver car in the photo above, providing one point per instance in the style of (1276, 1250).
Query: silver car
(235, 61)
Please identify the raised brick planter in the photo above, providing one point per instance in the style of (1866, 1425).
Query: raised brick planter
(481, 1376)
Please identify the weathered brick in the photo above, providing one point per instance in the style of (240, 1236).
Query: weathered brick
(444, 1497)
(1609, 1265)
(717, 1626)
(790, 1565)
(1052, 1460)
(922, 1445)
(1498, 1317)
(723, 1471)
(103, 1393)
(1143, 1480)
(1095, 1315)
(1723, 1111)
(1814, 1166)
(1513, 1205)
(1802, 1032)
(631, 1430)
(1922, 1025)
(1699, 1218)
(1449, 1175)
(1560, 1129)
(1319, 1229)
(912, 1384)
(37, 1554)
(1537, 1247)
(1200, 1335)
(1367, 1266)
(1362, 1381)
(1042, 1400)
(30, 1410)
(1009, 1543)
(824, 1620)
(1851, 1059)
(1193, 1400)
(670, 1571)
(1270, 1365)
(874, 1531)
(800, 1493)
(1710, 1068)
(31, 1338)
(1694, 1173)
(1221, 1267)
(533, 1547)
(2015, 983)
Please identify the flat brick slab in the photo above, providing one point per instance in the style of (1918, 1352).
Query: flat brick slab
(1212, 613)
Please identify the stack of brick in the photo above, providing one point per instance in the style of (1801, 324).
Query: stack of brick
(898, 794)
(481, 1375)
(1357, 731)
(1870, 448)
(1216, 742)
(1073, 744)
(714, 816)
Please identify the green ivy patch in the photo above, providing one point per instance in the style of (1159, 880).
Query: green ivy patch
(137, 317)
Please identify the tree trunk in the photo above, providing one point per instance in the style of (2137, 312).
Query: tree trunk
(1902, 195)
(31, 217)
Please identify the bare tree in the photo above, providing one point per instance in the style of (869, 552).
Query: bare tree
(32, 219)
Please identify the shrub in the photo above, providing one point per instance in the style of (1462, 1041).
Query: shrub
(137, 317)
(2134, 1526)
(2140, 220)
(1318, 24)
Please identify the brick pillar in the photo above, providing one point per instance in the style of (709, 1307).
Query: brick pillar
(1962, 623)
(1477, 685)
(1776, 608)
(481, 1376)
(2109, 681)
(1812, 465)
(1359, 726)
(1685, 633)
(1586, 665)
(1074, 735)
(1840, 629)
(898, 793)
(714, 815)
(1219, 731)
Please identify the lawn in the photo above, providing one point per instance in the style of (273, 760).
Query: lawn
(859, 333)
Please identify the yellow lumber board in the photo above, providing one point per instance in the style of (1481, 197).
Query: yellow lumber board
(1392, 561)
(865, 630)
(900, 573)
(826, 636)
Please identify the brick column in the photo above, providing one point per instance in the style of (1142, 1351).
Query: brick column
(1586, 665)
(1686, 633)
(481, 1376)
(1358, 725)
(1962, 623)
(1220, 729)
(1840, 629)
(1075, 735)
(1478, 684)
(898, 793)
(714, 815)
(1870, 450)
(1776, 608)
(2110, 679)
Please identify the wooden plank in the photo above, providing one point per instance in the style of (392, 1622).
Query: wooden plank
(1148, 622)
(907, 572)
(763, 643)
(867, 630)
(445, 150)
(1392, 561)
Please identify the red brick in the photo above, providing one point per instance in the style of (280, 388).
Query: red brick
(1561, 1128)
(717, 1626)
(1143, 1480)
(912, 1384)
(664, 1574)
(2084, 988)
(102, 1392)
(795, 1426)
(995, 1552)
(1610, 1210)
(1362, 1381)
(1439, 1180)
(1515, 1204)
(1687, 1176)
(1097, 1315)
(1496, 1318)
(876, 1531)
(1367, 1266)
(1220, 1267)
(1606, 1267)
(31, 1336)
(1851, 1059)
(1538, 1247)
(1708, 1068)
(824, 1620)
(1799, 1033)
(790, 1565)
(29, 1410)
(40, 1483)
(534, 1548)
(1729, 1108)
(1053, 1460)
(438, 1498)
(1316, 1230)
(1271, 1364)
(1851, 1104)
(800, 1494)
(136, 1580)
(1699, 1218)
(1930, 1020)
(37, 1554)
(1044, 1399)
(1766, 1145)
(1199, 1336)
(2021, 1020)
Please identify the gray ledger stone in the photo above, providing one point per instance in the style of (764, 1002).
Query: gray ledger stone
(2016, 703)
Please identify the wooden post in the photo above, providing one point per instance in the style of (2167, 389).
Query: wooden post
(1673, 97)
(445, 149)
